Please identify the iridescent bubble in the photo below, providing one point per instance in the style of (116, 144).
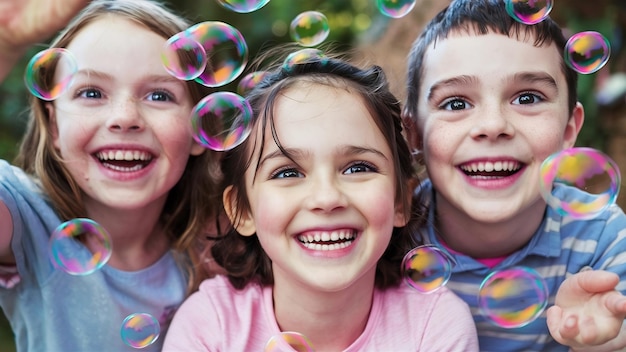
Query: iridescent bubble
(288, 341)
(140, 330)
(226, 52)
(528, 11)
(395, 8)
(303, 56)
(79, 246)
(50, 73)
(309, 28)
(221, 121)
(513, 297)
(183, 57)
(426, 268)
(243, 6)
(249, 81)
(587, 52)
(587, 169)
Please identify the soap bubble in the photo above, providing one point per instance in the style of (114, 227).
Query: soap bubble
(513, 297)
(395, 8)
(587, 52)
(221, 121)
(140, 330)
(226, 52)
(289, 341)
(528, 11)
(426, 268)
(309, 28)
(79, 246)
(587, 169)
(50, 73)
(183, 57)
(243, 6)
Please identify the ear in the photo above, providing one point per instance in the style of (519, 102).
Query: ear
(574, 125)
(245, 223)
(52, 124)
(196, 149)
(400, 219)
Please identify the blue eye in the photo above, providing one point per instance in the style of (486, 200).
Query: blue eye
(527, 98)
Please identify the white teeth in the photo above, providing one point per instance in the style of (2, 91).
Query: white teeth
(127, 155)
(488, 166)
(312, 239)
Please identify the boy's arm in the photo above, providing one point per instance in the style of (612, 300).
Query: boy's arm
(26, 22)
(588, 313)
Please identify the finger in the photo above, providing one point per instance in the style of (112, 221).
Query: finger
(595, 281)
(616, 304)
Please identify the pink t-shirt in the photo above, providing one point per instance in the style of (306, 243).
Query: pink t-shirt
(220, 318)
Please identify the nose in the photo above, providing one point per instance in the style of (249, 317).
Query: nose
(325, 195)
(493, 123)
(125, 116)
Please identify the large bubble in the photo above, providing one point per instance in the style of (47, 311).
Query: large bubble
(513, 297)
(587, 52)
(221, 121)
(309, 28)
(426, 268)
(50, 73)
(79, 246)
(226, 51)
(587, 169)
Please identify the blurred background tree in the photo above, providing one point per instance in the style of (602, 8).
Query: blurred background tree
(358, 25)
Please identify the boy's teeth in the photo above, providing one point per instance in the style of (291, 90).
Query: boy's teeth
(488, 166)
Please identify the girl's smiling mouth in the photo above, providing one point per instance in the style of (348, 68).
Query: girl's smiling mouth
(124, 160)
(327, 240)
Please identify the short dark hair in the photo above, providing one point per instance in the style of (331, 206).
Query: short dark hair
(481, 17)
(242, 257)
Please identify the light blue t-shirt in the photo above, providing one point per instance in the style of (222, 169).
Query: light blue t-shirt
(51, 310)
(562, 246)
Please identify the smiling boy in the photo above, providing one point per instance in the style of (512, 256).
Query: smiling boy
(490, 98)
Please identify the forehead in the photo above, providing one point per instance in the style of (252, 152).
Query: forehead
(115, 39)
(489, 56)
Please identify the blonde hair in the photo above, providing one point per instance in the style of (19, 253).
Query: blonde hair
(191, 202)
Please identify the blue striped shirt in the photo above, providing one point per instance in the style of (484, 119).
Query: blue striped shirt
(562, 246)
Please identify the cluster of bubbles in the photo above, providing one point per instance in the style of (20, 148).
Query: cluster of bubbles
(509, 298)
(214, 54)
(585, 52)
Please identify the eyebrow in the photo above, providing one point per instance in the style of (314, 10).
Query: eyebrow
(296, 153)
(463, 80)
(103, 75)
(535, 77)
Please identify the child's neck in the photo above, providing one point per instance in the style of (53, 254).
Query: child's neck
(137, 236)
(486, 239)
(332, 321)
